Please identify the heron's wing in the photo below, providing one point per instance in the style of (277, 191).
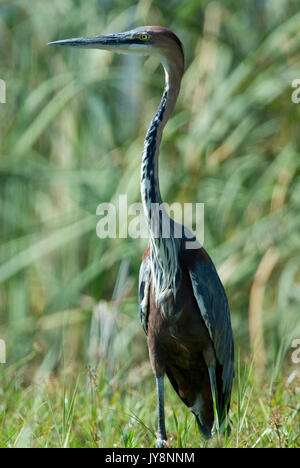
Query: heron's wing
(213, 305)
(144, 291)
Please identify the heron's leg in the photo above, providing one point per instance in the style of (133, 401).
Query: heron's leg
(214, 392)
(161, 435)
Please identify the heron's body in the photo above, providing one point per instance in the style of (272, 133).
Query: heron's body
(178, 339)
(183, 332)
(183, 305)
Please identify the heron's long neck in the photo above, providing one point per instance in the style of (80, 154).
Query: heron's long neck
(150, 190)
(163, 249)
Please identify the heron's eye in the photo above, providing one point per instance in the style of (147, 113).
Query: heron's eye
(144, 37)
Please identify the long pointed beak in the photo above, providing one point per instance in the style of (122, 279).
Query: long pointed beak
(109, 42)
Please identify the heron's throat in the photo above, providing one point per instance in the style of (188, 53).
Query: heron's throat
(150, 190)
(149, 177)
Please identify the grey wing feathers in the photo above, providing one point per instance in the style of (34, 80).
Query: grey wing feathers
(213, 305)
(144, 290)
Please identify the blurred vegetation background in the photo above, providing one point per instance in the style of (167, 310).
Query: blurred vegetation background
(71, 137)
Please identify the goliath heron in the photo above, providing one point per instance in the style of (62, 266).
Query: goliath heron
(183, 305)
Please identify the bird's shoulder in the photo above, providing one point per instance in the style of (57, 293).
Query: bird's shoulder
(146, 253)
(144, 288)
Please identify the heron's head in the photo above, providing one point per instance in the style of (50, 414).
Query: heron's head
(147, 40)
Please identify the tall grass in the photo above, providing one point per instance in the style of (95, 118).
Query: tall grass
(71, 137)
